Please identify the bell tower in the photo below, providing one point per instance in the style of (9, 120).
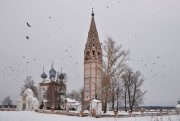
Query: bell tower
(92, 64)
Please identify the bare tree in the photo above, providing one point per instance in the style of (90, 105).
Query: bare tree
(113, 66)
(7, 101)
(82, 98)
(118, 94)
(75, 95)
(29, 83)
(133, 82)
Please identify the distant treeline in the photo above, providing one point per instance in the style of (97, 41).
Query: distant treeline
(7, 106)
(153, 108)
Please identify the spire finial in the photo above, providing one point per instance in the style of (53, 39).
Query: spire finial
(61, 69)
(52, 64)
(43, 68)
(92, 12)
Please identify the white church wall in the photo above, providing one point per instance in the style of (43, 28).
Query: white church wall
(27, 101)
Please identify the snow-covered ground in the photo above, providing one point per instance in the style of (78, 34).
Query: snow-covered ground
(34, 116)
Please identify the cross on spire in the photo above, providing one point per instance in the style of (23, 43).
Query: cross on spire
(92, 28)
(92, 12)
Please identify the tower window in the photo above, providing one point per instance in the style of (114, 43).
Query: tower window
(99, 55)
(93, 52)
(93, 44)
(87, 56)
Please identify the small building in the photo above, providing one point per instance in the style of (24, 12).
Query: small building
(96, 108)
(70, 104)
(27, 101)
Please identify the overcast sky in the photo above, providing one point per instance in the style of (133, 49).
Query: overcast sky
(150, 29)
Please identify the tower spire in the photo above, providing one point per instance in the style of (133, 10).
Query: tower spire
(92, 28)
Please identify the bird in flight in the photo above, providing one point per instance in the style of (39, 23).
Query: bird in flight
(28, 24)
(27, 37)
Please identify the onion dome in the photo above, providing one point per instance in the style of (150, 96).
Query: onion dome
(52, 72)
(43, 75)
(61, 76)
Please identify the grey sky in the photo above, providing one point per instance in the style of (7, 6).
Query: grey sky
(148, 28)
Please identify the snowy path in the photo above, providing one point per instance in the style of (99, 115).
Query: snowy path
(34, 116)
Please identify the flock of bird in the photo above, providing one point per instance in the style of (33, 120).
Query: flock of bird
(152, 67)
(20, 70)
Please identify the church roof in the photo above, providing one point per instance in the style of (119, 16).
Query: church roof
(93, 42)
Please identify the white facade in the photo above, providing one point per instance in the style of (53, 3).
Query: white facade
(42, 91)
(27, 101)
(96, 108)
(70, 104)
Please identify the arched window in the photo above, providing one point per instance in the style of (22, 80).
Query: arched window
(87, 55)
(99, 55)
(93, 52)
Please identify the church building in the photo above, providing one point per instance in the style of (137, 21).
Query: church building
(92, 64)
(52, 91)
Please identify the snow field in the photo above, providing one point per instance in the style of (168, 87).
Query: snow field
(34, 116)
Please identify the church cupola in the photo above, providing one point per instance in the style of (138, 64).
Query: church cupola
(43, 75)
(52, 73)
(61, 76)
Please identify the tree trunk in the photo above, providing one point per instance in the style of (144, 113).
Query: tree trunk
(133, 101)
(117, 100)
(129, 97)
(113, 100)
(125, 101)
(105, 106)
(105, 102)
